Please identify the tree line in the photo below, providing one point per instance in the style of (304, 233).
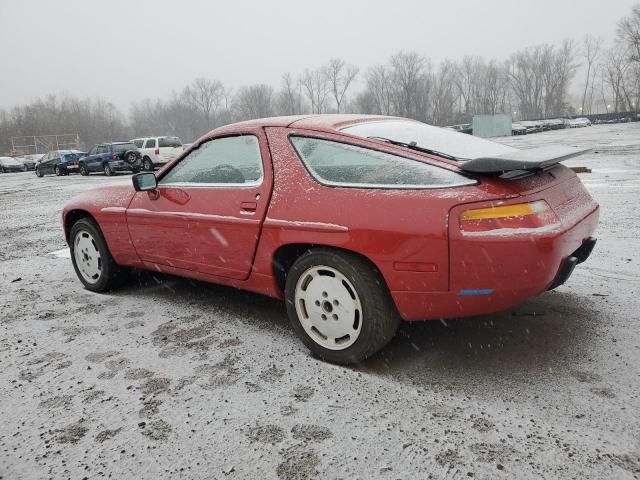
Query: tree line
(532, 83)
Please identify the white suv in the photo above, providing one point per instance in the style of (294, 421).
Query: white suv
(157, 151)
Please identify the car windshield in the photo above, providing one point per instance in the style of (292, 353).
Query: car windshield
(169, 142)
(458, 145)
(123, 147)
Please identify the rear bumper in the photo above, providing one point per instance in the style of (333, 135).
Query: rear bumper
(491, 274)
(120, 166)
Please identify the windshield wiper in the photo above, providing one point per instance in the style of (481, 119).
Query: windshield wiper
(414, 146)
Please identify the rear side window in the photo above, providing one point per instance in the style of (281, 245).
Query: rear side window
(221, 161)
(169, 142)
(123, 147)
(138, 143)
(151, 143)
(341, 164)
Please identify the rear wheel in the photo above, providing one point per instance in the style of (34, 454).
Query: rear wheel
(147, 164)
(92, 260)
(107, 170)
(339, 306)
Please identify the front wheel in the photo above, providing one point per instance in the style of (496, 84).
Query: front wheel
(39, 173)
(339, 306)
(57, 171)
(91, 258)
(83, 170)
(107, 170)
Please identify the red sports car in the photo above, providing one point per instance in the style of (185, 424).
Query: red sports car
(355, 221)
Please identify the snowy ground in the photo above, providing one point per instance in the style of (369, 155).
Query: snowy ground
(170, 378)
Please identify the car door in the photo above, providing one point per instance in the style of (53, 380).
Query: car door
(45, 164)
(207, 212)
(90, 160)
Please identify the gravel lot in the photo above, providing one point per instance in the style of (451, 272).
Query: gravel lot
(170, 378)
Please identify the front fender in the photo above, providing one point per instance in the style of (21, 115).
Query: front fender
(107, 207)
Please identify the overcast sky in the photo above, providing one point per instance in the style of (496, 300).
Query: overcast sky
(125, 50)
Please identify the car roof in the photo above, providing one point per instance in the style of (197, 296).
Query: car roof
(330, 121)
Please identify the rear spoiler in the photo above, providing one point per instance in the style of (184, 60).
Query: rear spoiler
(530, 160)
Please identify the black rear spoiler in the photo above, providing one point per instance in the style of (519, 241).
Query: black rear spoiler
(530, 160)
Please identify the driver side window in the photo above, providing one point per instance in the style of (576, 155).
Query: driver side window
(222, 161)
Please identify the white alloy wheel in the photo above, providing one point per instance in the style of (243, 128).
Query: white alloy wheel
(328, 307)
(87, 256)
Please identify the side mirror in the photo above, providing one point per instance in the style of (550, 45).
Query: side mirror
(144, 182)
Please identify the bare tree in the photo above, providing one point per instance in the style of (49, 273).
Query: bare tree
(407, 71)
(339, 75)
(378, 80)
(255, 101)
(205, 94)
(314, 84)
(614, 71)
(629, 33)
(289, 97)
(591, 48)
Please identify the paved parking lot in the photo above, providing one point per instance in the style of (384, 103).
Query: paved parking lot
(171, 378)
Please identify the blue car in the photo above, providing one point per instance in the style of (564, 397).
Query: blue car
(110, 158)
(60, 162)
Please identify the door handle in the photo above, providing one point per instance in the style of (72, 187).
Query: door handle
(249, 206)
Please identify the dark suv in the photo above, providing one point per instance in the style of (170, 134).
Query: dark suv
(110, 158)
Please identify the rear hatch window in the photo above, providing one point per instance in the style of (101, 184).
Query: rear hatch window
(173, 142)
(123, 147)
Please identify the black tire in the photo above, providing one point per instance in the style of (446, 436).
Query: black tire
(25, 168)
(107, 170)
(57, 171)
(83, 170)
(380, 318)
(147, 165)
(112, 275)
(2, 170)
(39, 173)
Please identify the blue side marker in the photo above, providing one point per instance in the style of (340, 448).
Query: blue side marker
(482, 291)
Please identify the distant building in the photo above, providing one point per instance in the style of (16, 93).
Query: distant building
(487, 126)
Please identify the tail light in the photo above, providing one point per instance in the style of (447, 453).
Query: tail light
(521, 215)
(114, 157)
(157, 151)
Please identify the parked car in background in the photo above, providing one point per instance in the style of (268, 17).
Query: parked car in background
(579, 122)
(532, 126)
(9, 164)
(27, 163)
(518, 129)
(35, 157)
(427, 216)
(553, 124)
(157, 151)
(462, 128)
(59, 162)
(110, 158)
